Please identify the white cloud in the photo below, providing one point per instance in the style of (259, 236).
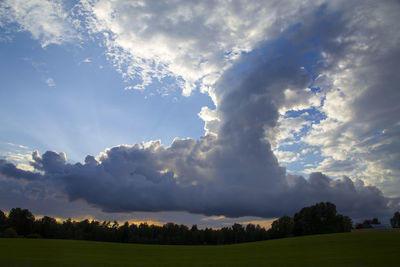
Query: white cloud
(291, 127)
(189, 40)
(15, 145)
(211, 120)
(361, 95)
(300, 100)
(336, 168)
(50, 82)
(286, 156)
(306, 151)
(47, 21)
(16, 153)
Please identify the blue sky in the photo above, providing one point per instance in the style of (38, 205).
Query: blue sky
(299, 104)
(76, 112)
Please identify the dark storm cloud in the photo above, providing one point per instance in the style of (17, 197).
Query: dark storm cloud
(233, 171)
(129, 179)
(11, 170)
(352, 198)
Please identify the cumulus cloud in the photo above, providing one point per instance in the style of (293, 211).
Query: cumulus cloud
(9, 169)
(232, 170)
(360, 135)
(191, 41)
(138, 179)
(300, 100)
(291, 128)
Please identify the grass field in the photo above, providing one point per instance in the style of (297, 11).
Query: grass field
(347, 249)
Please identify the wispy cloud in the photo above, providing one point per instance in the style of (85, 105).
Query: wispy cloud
(16, 145)
(50, 82)
(47, 21)
(213, 218)
(191, 41)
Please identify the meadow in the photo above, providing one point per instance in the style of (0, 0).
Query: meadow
(345, 249)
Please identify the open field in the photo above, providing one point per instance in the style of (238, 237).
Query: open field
(347, 249)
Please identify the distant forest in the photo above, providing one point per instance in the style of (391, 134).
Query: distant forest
(318, 219)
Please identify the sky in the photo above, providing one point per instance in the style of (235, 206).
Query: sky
(199, 112)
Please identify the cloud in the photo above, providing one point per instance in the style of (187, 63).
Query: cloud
(11, 170)
(360, 134)
(252, 60)
(50, 82)
(15, 145)
(286, 156)
(47, 21)
(193, 42)
(224, 221)
(128, 180)
(306, 151)
(233, 171)
(300, 100)
(17, 154)
(290, 128)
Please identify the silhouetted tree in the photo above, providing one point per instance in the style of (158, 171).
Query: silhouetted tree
(48, 227)
(195, 235)
(368, 223)
(21, 220)
(25, 224)
(319, 219)
(250, 232)
(239, 233)
(373, 221)
(395, 220)
(283, 227)
(343, 224)
(68, 229)
(123, 233)
(3, 221)
(261, 233)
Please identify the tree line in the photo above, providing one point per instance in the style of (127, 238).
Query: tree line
(22, 223)
(318, 219)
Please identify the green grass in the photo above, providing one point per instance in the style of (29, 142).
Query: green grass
(348, 249)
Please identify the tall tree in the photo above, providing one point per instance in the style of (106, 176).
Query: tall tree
(3, 221)
(283, 227)
(48, 227)
(395, 220)
(367, 223)
(239, 233)
(250, 232)
(319, 219)
(21, 220)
